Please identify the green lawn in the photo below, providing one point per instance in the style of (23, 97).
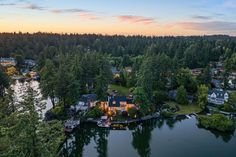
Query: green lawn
(185, 109)
(121, 90)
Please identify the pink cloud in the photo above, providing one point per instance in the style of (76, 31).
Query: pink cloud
(136, 19)
(88, 16)
(32, 6)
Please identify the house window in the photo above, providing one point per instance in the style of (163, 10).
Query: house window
(113, 102)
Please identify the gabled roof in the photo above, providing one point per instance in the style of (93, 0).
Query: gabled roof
(219, 93)
(114, 101)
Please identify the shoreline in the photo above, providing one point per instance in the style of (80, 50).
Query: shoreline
(145, 118)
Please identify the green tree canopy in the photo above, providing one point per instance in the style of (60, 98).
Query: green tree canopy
(202, 96)
(181, 96)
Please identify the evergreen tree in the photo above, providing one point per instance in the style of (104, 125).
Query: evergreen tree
(25, 135)
(202, 96)
(140, 98)
(181, 96)
(63, 83)
(232, 99)
(47, 81)
(103, 79)
(4, 82)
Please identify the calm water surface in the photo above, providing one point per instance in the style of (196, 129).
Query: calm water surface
(156, 138)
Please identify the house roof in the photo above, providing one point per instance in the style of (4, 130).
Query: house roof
(114, 70)
(88, 97)
(219, 93)
(216, 82)
(30, 62)
(7, 59)
(114, 101)
(172, 94)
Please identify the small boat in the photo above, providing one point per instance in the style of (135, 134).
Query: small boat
(104, 122)
(69, 125)
(188, 116)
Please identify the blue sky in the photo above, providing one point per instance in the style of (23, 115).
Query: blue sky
(147, 17)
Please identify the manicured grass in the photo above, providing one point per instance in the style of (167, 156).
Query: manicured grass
(185, 109)
(121, 90)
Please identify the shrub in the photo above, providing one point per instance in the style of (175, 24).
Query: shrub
(228, 108)
(216, 121)
(132, 112)
(96, 112)
(56, 113)
(167, 114)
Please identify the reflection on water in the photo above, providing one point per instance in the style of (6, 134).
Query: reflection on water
(176, 137)
(20, 89)
(163, 138)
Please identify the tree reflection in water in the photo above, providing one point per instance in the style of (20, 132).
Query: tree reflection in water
(97, 138)
(74, 147)
(226, 137)
(142, 136)
(101, 141)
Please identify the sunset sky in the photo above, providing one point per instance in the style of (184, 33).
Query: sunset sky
(128, 17)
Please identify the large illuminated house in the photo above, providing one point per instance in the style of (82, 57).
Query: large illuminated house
(117, 103)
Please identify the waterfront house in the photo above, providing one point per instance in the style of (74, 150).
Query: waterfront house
(85, 102)
(217, 96)
(7, 62)
(79, 106)
(117, 103)
(89, 99)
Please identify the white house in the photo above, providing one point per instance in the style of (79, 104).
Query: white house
(217, 96)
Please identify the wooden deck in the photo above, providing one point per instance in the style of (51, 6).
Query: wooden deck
(145, 118)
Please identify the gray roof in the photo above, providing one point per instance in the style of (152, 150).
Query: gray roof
(114, 101)
(219, 93)
(7, 59)
(88, 98)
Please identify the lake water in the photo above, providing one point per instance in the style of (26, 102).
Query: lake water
(21, 87)
(155, 138)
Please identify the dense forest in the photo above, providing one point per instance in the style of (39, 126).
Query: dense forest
(193, 51)
(71, 65)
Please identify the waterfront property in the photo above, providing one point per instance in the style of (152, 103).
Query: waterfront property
(162, 138)
(6, 62)
(115, 104)
(217, 96)
(86, 101)
(89, 99)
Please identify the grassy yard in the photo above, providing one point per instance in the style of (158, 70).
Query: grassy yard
(121, 90)
(185, 109)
